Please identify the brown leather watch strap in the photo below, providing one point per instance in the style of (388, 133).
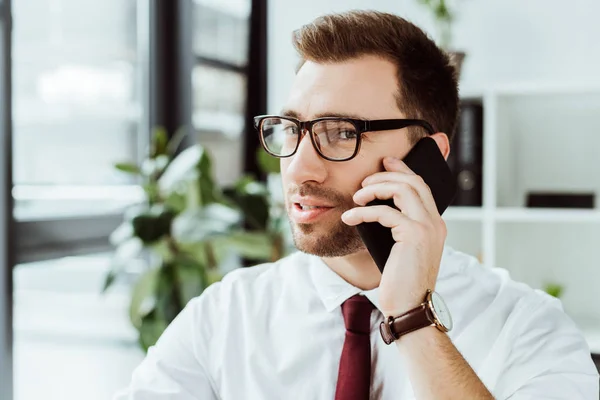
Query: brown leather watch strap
(394, 327)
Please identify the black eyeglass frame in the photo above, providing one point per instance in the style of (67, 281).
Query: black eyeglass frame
(361, 125)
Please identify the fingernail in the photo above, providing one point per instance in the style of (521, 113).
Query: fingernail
(392, 159)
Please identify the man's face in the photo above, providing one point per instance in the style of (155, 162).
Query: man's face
(361, 88)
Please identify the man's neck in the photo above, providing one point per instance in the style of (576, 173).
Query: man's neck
(357, 269)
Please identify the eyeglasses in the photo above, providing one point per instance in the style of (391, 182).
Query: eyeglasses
(335, 139)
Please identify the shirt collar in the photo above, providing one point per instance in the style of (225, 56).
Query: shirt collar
(334, 290)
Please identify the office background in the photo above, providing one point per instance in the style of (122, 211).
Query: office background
(85, 82)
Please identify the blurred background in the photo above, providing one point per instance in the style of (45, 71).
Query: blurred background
(133, 179)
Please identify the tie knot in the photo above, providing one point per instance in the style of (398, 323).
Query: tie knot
(357, 314)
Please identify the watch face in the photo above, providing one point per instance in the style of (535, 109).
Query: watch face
(441, 311)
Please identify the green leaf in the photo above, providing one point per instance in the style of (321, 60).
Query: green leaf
(208, 187)
(122, 233)
(168, 302)
(267, 163)
(255, 209)
(191, 278)
(204, 223)
(195, 250)
(159, 141)
(554, 289)
(176, 201)
(152, 192)
(193, 197)
(143, 298)
(250, 245)
(163, 249)
(155, 166)
(213, 276)
(150, 330)
(128, 168)
(109, 279)
(153, 225)
(126, 252)
(176, 140)
(442, 12)
(248, 185)
(181, 168)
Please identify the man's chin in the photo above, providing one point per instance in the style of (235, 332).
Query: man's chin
(327, 241)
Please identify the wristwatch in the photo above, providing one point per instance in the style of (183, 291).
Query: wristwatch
(432, 312)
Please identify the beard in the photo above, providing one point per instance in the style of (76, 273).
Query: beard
(330, 237)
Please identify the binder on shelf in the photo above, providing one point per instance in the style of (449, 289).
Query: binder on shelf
(466, 154)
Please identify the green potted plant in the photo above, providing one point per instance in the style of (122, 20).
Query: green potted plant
(444, 19)
(188, 232)
(554, 289)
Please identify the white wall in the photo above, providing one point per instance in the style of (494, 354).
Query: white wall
(545, 41)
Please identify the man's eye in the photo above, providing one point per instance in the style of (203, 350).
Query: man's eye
(291, 130)
(347, 134)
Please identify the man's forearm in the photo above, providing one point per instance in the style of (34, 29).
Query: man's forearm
(436, 368)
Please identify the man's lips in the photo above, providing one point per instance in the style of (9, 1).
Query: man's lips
(306, 210)
(311, 201)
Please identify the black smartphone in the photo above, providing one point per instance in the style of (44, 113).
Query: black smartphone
(424, 159)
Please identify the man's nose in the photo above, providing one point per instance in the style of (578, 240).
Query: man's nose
(306, 164)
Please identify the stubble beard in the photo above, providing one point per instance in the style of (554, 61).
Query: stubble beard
(320, 240)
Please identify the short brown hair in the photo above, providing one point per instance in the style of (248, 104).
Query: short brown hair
(427, 82)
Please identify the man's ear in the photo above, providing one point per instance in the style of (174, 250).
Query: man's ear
(443, 143)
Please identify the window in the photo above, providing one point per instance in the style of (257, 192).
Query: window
(77, 110)
(221, 41)
(76, 107)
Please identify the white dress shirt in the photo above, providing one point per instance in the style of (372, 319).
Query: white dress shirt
(276, 331)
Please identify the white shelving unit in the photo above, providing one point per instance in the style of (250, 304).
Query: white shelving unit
(539, 138)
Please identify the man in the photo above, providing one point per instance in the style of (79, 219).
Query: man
(310, 325)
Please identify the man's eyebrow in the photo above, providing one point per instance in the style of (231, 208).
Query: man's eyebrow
(289, 113)
(294, 114)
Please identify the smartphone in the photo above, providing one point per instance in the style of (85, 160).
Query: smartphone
(424, 159)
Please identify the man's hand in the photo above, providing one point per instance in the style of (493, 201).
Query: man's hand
(436, 368)
(419, 232)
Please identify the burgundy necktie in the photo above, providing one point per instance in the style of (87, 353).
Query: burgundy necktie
(354, 376)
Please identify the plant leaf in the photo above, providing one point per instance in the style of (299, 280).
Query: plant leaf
(155, 166)
(159, 141)
(122, 233)
(267, 163)
(181, 168)
(128, 168)
(207, 186)
(143, 297)
(127, 251)
(251, 245)
(203, 223)
(176, 201)
(176, 140)
(554, 289)
(150, 330)
(191, 278)
(153, 225)
(255, 209)
(109, 279)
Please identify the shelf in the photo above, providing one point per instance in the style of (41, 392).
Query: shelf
(590, 327)
(546, 215)
(459, 213)
(593, 339)
(529, 89)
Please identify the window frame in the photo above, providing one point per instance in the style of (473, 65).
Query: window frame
(7, 238)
